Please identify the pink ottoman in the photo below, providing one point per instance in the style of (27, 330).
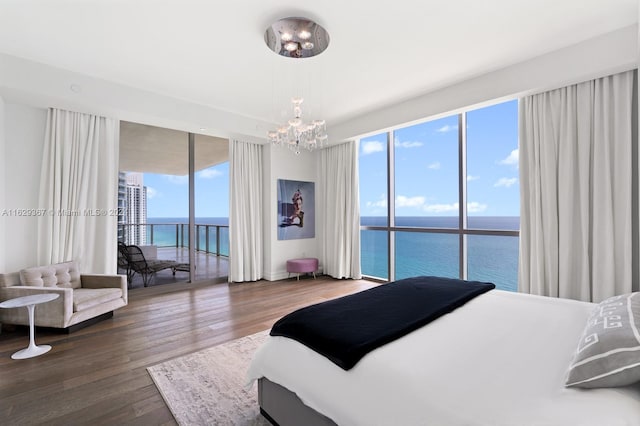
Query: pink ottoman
(304, 265)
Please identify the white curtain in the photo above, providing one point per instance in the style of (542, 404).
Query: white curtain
(78, 191)
(245, 211)
(340, 205)
(575, 173)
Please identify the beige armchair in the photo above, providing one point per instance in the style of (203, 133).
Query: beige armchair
(84, 299)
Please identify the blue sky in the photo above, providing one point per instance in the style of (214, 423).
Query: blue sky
(168, 196)
(426, 180)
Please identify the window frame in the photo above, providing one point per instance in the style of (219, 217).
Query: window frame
(462, 230)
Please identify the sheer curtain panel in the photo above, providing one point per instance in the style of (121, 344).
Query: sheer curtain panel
(340, 204)
(79, 191)
(245, 211)
(575, 174)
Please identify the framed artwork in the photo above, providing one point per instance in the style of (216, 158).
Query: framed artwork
(296, 209)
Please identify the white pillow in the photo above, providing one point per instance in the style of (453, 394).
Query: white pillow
(608, 354)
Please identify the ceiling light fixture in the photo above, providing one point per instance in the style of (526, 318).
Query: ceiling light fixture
(296, 133)
(298, 38)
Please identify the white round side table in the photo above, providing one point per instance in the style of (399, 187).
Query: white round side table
(30, 303)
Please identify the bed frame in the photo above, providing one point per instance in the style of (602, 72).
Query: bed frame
(283, 408)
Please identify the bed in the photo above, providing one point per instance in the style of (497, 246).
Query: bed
(500, 359)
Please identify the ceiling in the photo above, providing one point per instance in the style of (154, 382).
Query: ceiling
(150, 149)
(212, 53)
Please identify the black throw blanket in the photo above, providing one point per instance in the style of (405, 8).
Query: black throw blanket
(346, 329)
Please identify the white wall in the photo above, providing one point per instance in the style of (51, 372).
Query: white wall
(281, 163)
(24, 142)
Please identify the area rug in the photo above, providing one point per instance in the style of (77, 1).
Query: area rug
(208, 387)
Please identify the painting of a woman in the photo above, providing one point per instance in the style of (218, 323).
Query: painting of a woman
(297, 214)
(297, 218)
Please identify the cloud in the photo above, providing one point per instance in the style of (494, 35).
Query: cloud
(506, 182)
(470, 178)
(209, 173)
(434, 166)
(441, 208)
(408, 144)
(475, 207)
(446, 128)
(511, 160)
(419, 201)
(152, 192)
(379, 203)
(402, 201)
(472, 207)
(371, 147)
(382, 202)
(178, 180)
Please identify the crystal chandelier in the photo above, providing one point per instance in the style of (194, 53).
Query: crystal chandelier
(297, 38)
(297, 133)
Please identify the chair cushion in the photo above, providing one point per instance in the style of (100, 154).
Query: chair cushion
(85, 298)
(306, 264)
(63, 275)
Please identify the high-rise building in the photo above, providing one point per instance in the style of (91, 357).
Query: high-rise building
(122, 205)
(136, 209)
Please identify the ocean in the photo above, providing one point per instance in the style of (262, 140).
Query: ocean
(166, 233)
(489, 258)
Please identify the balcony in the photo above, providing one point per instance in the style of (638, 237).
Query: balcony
(172, 242)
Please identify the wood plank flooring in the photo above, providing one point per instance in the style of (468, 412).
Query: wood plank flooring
(98, 375)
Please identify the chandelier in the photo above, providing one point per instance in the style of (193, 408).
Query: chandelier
(297, 133)
(297, 38)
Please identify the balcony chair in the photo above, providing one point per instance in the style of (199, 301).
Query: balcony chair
(123, 263)
(137, 263)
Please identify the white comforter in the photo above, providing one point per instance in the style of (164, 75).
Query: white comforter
(501, 359)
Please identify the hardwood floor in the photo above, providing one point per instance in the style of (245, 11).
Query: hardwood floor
(98, 375)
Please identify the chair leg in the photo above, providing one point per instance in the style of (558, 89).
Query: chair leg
(130, 275)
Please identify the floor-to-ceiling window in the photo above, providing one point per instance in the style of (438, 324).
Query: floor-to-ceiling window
(442, 198)
(374, 240)
(212, 209)
(493, 194)
(426, 197)
(158, 201)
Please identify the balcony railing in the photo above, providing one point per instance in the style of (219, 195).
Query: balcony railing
(210, 239)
